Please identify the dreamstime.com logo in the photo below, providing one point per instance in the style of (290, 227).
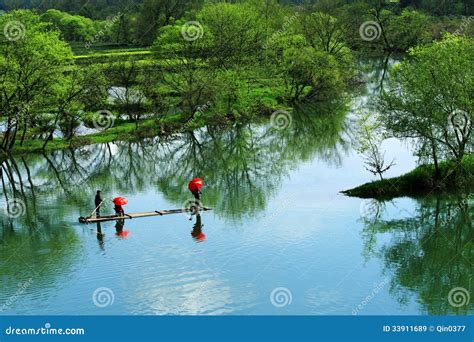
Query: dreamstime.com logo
(370, 30)
(193, 206)
(103, 120)
(14, 30)
(281, 119)
(103, 297)
(281, 297)
(460, 123)
(458, 297)
(192, 30)
(15, 208)
(47, 329)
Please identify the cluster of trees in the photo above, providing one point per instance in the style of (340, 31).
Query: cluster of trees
(41, 88)
(236, 47)
(431, 101)
(237, 65)
(239, 59)
(402, 24)
(103, 8)
(74, 28)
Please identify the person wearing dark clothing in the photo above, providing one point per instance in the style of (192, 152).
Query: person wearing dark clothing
(197, 194)
(98, 202)
(119, 210)
(196, 206)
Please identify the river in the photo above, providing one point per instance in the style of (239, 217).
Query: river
(281, 240)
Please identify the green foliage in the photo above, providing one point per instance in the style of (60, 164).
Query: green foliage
(32, 72)
(421, 181)
(408, 29)
(427, 91)
(72, 27)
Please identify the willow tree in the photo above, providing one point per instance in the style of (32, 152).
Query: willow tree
(32, 63)
(431, 99)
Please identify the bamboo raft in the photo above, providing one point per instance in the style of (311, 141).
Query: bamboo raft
(136, 215)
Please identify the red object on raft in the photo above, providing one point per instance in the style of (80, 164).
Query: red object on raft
(120, 201)
(195, 184)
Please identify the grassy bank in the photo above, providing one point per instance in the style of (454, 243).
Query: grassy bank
(122, 130)
(421, 181)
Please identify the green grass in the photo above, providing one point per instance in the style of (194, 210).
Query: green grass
(123, 53)
(420, 181)
(121, 131)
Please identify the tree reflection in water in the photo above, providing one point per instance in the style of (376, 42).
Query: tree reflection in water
(429, 253)
(243, 166)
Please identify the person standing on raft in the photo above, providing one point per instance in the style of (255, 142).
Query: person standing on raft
(98, 202)
(118, 205)
(195, 187)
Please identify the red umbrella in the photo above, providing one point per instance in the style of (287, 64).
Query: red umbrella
(120, 201)
(195, 184)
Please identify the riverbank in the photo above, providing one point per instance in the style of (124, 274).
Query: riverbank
(127, 130)
(418, 182)
(122, 130)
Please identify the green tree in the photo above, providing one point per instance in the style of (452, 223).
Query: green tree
(184, 81)
(431, 99)
(305, 70)
(31, 73)
(408, 29)
(324, 32)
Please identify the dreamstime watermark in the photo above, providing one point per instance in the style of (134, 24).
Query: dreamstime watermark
(198, 113)
(103, 120)
(458, 297)
(14, 30)
(281, 297)
(192, 206)
(103, 297)
(280, 32)
(192, 30)
(464, 24)
(456, 210)
(377, 288)
(108, 24)
(47, 329)
(15, 208)
(281, 119)
(22, 287)
(460, 123)
(370, 30)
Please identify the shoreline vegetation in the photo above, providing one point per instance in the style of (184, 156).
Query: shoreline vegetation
(219, 63)
(421, 181)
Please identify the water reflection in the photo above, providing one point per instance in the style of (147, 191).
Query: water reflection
(242, 166)
(197, 232)
(430, 251)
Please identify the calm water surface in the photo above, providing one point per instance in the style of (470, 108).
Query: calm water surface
(281, 240)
